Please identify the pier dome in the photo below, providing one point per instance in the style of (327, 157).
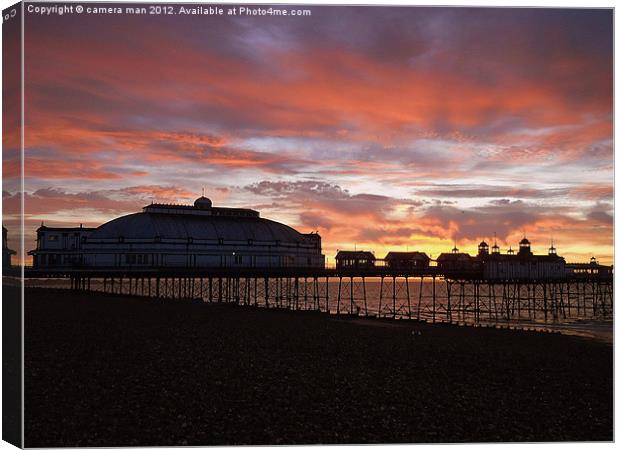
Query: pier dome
(483, 248)
(525, 247)
(147, 226)
(200, 235)
(203, 202)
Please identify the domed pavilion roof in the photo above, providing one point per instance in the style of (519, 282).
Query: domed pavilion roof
(198, 227)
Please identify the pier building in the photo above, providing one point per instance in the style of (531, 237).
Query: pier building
(198, 235)
(455, 261)
(59, 246)
(407, 260)
(588, 269)
(522, 265)
(346, 259)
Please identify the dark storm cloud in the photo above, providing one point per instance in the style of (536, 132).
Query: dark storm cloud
(326, 196)
(484, 191)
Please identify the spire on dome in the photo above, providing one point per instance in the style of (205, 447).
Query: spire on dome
(495, 248)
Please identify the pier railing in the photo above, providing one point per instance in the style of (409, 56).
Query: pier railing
(381, 271)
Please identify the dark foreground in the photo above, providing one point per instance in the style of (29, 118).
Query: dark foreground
(108, 371)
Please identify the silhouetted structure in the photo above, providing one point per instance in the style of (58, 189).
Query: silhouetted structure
(494, 265)
(407, 260)
(166, 238)
(588, 269)
(197, 235)
(355, 260)
(60, 247)
(455, 261)
(523, 265)
(6, 251)
(483, 249)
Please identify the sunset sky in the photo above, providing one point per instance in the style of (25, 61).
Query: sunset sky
(382, 128)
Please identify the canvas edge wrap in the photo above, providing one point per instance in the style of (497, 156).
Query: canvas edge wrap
(12, 218)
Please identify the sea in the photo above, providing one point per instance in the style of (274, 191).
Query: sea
(576, 308)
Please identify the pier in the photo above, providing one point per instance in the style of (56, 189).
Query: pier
(431, 295)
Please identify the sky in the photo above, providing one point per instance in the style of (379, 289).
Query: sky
(383, 128)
